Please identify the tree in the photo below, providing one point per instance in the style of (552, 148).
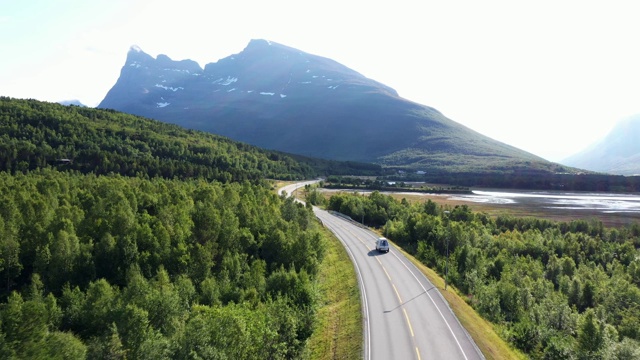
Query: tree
(627, 349)
(588, 296)
(64, 346)
(526, 335)
(590, 336)
(98, 308)
(133, 328)
(10, 265)
(559, 347)
(9, 258)
(164, 305)
(575, 293)
(65, 248)
(107, 347)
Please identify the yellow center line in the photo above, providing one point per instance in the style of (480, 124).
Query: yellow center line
(385, 271)
(397, 293)
(406, 316)
(408, 322)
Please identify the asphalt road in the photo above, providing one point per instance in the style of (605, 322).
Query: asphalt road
(405, 316)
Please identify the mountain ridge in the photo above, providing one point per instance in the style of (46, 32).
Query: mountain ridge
(617, 153)
(277, 97)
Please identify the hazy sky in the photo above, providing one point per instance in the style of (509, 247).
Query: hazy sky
(548, 77)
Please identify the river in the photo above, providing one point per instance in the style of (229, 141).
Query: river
(598, 202)
(613, 209)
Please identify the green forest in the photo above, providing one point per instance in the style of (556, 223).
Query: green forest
(126, 238)
(555, 290)
(35, 134)
(113, 266)
(563, 178)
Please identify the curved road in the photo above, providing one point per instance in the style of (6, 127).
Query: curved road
(405, 316)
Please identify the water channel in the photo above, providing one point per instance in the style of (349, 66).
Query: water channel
(598, 202)
(613, 209)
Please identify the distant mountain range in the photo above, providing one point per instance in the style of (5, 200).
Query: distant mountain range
(281, 98)
(617, 153)
(72, 102)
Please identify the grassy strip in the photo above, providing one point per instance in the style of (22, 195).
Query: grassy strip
(338, 333)
(482, 331)
(277, 185)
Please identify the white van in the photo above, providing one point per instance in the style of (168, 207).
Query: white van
(382, 245)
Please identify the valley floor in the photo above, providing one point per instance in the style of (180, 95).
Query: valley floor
(611, 209)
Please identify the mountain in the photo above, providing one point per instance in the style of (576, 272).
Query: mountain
(281, 98)
(74, 102)
(617, 153)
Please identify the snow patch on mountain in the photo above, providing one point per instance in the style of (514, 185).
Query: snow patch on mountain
(228, 81)
(170, 87)
(178, 70)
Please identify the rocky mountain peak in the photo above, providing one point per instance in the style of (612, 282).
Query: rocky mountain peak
(137, 58)
(281, 98)
(257, 44)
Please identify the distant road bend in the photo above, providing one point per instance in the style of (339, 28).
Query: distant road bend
(405, 316)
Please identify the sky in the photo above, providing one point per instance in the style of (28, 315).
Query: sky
(548, 77)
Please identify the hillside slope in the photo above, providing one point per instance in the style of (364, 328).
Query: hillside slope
(38, 134)
(617, 153)
(277, 97)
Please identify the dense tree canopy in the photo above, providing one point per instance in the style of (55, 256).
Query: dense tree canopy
(123, 237)
(106, 266)
(555, 290)
(36, 134)
(149, 268)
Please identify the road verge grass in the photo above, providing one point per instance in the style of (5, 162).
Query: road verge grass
(338, 331)
(481, 331)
